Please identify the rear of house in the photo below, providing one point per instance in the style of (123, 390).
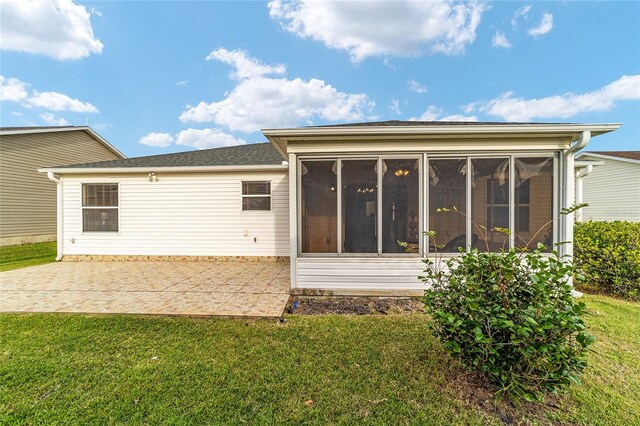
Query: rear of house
(612, 186)
(28, 198)
(334, 201)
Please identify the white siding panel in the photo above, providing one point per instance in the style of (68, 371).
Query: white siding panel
(191, 215)
(612, 191)
(378, 274)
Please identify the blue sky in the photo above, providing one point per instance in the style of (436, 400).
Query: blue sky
(159, 77)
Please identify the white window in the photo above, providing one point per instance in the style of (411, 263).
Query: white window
(100, 207)
(256, 195)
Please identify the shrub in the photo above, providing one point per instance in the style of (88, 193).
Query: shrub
(608, 255)
(511, 316)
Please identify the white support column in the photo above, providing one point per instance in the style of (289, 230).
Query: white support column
(293, 220)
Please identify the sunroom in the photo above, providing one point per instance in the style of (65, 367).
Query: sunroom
(362, 197)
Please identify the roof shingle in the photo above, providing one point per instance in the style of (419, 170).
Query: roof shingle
(241, 155)
(632, 155)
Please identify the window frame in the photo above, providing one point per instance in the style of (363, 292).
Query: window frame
(339, 220)
(269, 196)
(82, 207)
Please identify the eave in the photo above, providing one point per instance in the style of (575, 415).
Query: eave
(280, 138)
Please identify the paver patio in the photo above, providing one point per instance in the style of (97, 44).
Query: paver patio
(255, 289)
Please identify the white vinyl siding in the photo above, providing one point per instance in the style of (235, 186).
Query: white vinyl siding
(611, 190)
(360, 275)
(182, 214)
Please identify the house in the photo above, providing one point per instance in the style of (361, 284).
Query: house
(332, 200)
(611, 188)
(28, 198)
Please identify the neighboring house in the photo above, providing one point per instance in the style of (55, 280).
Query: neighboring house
(28, 198)
(611, 186)
(334, 200)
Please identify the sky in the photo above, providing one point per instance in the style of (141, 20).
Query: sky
(161, 77)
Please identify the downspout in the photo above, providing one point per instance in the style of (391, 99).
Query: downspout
(569, 191)
(52, 177)
(579, 176)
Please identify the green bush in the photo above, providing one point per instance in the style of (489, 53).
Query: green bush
(607, 254)
(511, 316)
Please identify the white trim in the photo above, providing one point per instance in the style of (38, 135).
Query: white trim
(607, 157)
(293, 220)
(173, 169)
(87, 129)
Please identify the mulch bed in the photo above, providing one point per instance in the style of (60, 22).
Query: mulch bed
(320, 305)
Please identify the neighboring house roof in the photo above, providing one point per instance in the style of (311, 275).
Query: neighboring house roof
(240, 157)
(630, 156)
(49, 129)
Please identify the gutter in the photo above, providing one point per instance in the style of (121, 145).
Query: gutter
(178, 169)
(52, 177)
(568, 198)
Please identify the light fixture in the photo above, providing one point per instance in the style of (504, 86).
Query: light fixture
(152, 177)
(332, 187)
(401, 172)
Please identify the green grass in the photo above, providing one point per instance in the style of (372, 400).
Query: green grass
(90, 369)
(15, 257)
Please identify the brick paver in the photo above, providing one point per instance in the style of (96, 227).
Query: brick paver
(251, 289)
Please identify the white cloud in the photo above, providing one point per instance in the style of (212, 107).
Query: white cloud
(55, 101)
(518, 14)
(500, 40)
(545, 25)
(161, 140)
(414, 86)
(49, 118)
(12, 89)
(567, 105)
(433, 113)
(458, 117)
(398, 28)
(244, 66)
(395, 107)
(207, 138)
(182, 82)
(16, 113)
(101, 126)
(56, 28)
(259, 102)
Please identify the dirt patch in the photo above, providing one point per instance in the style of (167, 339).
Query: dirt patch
(320, 305)
(476, 392)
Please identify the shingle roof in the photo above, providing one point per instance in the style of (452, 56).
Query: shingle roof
(241, 155)
(633, 155)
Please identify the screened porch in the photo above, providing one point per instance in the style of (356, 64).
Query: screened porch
(370, 205)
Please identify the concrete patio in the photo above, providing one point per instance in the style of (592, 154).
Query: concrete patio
(243, 289)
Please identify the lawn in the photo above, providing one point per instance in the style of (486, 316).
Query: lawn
(15, 257)
(89, 369)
